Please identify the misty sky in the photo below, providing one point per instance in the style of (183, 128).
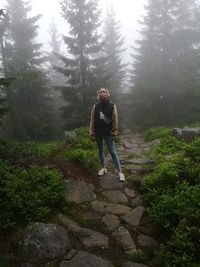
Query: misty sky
(127, 11)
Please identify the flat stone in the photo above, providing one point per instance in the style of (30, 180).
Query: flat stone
(123, 157)
(110, 182)
(105, 207)
(91, 215)
(127, 145)
(88, 237)
(133, 264)
(71, 254)
(134, 216)
(85, 259)
(79, 191)
(137, 201)
(147, 242)
(133, 167)
(111, 221)
(140, 161)
(129, 192)
(137, 181)
(98, 205)
(124, 238)
(67, 223)
(91, 239)
(115, 196)
(188, 134)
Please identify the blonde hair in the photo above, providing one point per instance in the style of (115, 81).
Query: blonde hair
(107, 92)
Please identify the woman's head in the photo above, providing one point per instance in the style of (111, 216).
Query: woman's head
(103, 94)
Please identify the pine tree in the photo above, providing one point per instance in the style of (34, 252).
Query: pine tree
(113, 44)
(4, 82)
(29, 107)
(83, 44)
(56, 78)
(165, 64)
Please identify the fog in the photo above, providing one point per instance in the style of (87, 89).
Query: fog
(128, 12)
(160, 79)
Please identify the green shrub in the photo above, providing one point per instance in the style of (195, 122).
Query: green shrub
(168, 146)
(15, 150)
(82, 139)
(85, 158)
(28, 195)
(181, 250)
(168, 175)
(172, 195)
(4, 262)
(157, 133)
(170, 208)
(193, 150)
(164, 178)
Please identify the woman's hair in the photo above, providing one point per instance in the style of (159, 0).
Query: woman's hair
(107, 92)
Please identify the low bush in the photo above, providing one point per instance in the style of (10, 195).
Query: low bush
(172, 196)
(157, 133)
(182, 249)
(14, 150)
(28, 195)
(168, 146)
(85, 158)
(193, 150)
(81, 139)
(170, 208)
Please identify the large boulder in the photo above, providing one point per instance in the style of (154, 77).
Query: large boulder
(78, 191)
(187, 134)
(40, 242)
(85, 259)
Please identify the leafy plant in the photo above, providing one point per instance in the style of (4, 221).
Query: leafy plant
(172, 196)
(168, 146)
(170, 209)
(15, 150)
(181, 250)
(86, 158)
(157, 132)
(193, 150)
(28, 195)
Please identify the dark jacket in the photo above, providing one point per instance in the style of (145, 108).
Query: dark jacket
(103, 119)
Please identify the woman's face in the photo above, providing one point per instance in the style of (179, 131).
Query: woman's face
(103, 94)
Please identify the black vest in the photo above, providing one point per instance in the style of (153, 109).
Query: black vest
(103, 123)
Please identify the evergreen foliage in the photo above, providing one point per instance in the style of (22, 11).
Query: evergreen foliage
(3, 100)
(83, 60)
(3, 81)
(165, 69)
(28, 195)
(172, 196)
(30, 115)
(113, 44)
(56, 78)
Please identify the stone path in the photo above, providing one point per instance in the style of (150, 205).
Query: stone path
(106, 226)
(120, 233)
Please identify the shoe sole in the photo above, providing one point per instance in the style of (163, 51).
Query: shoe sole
(102, 174)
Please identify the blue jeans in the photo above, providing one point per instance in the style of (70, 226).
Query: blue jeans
(111, 147)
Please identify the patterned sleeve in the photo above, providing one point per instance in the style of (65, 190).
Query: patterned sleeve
(114, 121)
(91, 126)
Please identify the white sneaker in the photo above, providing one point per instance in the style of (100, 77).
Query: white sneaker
(102, 172)
(121, 177)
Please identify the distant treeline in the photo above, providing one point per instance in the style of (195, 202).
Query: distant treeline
(54, 91)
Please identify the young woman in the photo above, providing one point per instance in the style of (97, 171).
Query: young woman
(104, 126)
